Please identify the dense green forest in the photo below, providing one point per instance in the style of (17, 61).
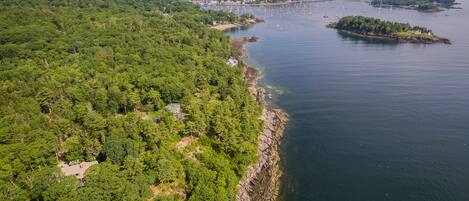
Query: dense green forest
(85, 80)
(421, 4)
(376, 28)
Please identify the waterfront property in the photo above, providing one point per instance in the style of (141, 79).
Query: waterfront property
(232, 62)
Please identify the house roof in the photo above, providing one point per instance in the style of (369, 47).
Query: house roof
(77, 170)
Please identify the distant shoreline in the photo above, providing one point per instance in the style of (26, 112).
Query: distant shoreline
(430, 8)
(259, 4)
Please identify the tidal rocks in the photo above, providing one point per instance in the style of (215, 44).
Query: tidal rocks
(262, 181)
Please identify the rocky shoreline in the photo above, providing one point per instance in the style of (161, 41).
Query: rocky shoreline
(262, 181)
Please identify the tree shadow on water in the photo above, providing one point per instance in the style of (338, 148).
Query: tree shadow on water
(365, 40)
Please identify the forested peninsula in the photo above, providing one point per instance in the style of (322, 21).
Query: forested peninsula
(379, 29)
(139, 90)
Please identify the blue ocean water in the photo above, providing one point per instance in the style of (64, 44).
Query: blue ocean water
(369, 120)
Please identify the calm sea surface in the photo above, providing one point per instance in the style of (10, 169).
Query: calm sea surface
(369, 120)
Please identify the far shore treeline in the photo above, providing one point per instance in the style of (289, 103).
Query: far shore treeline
(86, 80)
(424, 5)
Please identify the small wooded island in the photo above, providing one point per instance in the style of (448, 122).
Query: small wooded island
(379, 29)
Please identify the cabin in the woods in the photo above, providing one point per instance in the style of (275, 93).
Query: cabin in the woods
(232, 62)
(175, 109)
(77, 170)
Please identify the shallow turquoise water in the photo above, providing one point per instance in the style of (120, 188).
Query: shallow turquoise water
(370, 120)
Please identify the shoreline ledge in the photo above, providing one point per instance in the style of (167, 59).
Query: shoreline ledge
(262, 180)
